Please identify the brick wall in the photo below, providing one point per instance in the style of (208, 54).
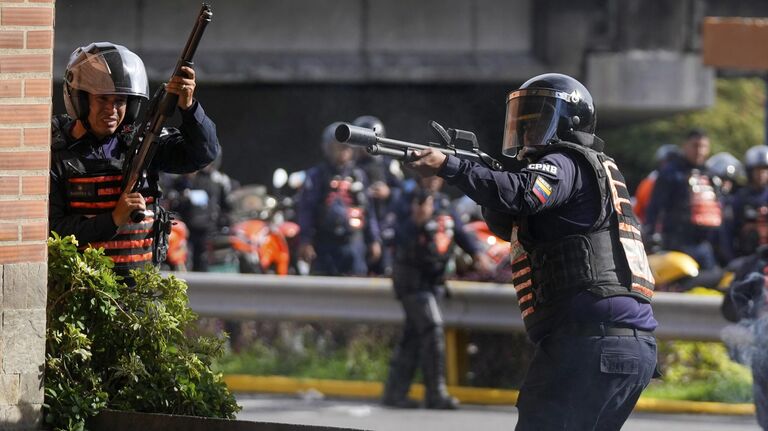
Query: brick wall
(26, 54)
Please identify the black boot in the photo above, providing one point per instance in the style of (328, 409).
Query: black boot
(433, 370)
(401, 370)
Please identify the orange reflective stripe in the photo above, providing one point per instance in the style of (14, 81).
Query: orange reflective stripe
(520, 258)
(92, 204)
(132, 258)
(109, 191)
(526, 298)
(643, 290)
(131, 232)
(521, 273)
(101, 179)
(527, 311)
(522, 286)
(629, 228)
(111, 245)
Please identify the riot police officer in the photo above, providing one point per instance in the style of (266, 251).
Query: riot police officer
(386, 177)
(338, 226)
(685, 204)
(104, 87)
(427, 231)
(746, 302)
(746, 221)
(644, 189)
(580, 271)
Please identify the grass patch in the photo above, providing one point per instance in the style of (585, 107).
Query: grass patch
(694, 371)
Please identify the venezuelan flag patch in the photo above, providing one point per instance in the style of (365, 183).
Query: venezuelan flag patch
(542, 189)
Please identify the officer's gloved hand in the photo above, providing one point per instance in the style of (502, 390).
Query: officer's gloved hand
(748, 295)
(483, 263)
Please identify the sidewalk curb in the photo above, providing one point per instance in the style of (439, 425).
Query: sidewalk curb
(488, 396)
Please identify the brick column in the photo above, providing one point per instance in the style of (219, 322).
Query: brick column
(26, 57)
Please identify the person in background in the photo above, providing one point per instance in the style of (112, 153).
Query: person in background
(745, 303)
(386, 177)
(426, 233)
(105, 85)
(644, 190)
(337, 221)
(203, 206)
(745, 226)
(685, 204)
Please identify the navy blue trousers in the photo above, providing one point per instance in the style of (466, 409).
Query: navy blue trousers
(340, 259)
(585, 383)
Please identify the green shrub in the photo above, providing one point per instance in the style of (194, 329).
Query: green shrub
(307, 350)
(700, 371)
(113, 346)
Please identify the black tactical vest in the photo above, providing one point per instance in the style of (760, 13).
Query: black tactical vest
(93, 187)
(608, 259)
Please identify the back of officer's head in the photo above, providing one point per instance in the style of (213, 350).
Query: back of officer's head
(547, 109)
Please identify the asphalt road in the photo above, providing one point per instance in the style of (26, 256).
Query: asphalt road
(312, 409)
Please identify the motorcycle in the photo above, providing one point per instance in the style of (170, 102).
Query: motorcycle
(496, 249)
(178, 251)
(675, 271)
(258, 239)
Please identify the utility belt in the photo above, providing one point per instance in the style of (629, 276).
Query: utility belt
(599, 330)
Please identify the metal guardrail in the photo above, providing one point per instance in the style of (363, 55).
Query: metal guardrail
(371, 300)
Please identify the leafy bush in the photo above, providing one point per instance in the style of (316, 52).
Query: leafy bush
(307, 350)
(120, 347)
(700, 371)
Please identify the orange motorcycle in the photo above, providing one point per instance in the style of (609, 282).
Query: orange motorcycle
(178, 252)
(261, 237)
(495, 248)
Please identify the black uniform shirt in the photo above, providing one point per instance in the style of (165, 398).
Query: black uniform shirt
(563, 194)
(186, 149)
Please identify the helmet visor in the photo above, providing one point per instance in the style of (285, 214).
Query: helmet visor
(113, 71)
(532, 119)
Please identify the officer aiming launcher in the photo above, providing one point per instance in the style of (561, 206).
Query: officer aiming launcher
(161, 107)
(459, 143)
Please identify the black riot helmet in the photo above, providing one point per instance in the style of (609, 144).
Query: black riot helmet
(104, 68)
(545, 109)
(756, 157)
(726, 166)
(371, 122)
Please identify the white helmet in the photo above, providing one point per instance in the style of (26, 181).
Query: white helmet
(104, 68)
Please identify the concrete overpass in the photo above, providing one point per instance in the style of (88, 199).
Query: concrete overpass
(277, 71)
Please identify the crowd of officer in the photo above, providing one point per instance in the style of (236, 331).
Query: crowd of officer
(583, 282)
(712, 208)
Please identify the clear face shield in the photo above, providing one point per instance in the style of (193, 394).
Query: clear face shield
(532, 120)
(113, 71)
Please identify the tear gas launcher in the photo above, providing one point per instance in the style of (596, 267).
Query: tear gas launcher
(161, 107)
(455, 142)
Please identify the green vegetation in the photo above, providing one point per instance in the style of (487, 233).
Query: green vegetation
(700, 371)
(113, 346)
(696, 371)
(305, 351)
